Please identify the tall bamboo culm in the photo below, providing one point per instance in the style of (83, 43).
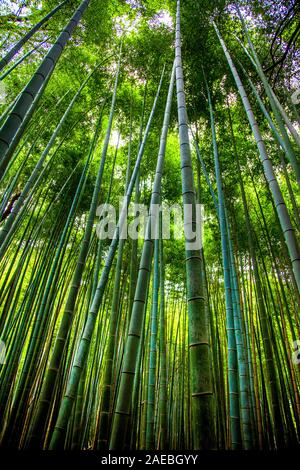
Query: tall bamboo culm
(199, 341)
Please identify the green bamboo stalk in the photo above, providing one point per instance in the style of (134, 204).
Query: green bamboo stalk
(59, 432)
(6, 231)
(286, 119)
(204, 170)
(199, 346)
(271, 373)
(290, 151)
(105, 410)
(163, 396)
(36, 128)
(15, 49)
(129, 367)
(5, 74)
(280, 142)
(284, 218)
(134, 243)
(17, 120)
(233, 376)
(43, 313)
(245, 403)
(23, 126)
(152, 353)
(47, 390)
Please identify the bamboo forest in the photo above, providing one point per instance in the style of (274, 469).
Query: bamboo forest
(149, 225)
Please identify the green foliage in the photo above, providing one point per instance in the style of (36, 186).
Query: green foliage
(39, 257)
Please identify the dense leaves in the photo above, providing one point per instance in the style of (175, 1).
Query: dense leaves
(43, 233)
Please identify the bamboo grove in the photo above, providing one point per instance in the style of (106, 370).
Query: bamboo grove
(149, 342)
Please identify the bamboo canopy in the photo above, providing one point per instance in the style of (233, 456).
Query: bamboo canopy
(149, 225)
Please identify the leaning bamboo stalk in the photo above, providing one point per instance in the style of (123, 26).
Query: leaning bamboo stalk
(279, 142)
(17, 120)
(125, 392)
(284, 218)
(5, 231)
(66, 322)
(58, 436)
(256, 62)
(15, 49)
(287, 120)
(107, 386)
(5, 74)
